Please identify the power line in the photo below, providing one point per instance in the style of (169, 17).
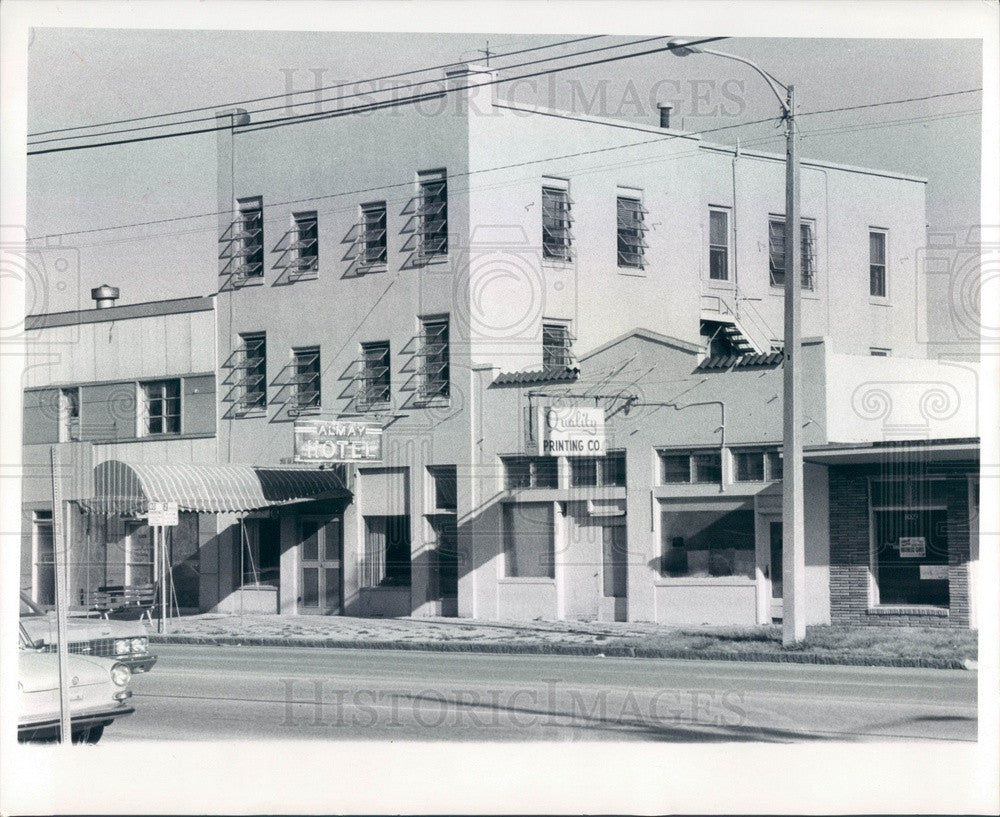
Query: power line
(293, 120)
(304, 91)
(402, 184)
(435, 81)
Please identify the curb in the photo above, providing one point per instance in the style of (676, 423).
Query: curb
(593, 650)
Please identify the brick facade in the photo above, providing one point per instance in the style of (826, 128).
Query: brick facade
(850, 553)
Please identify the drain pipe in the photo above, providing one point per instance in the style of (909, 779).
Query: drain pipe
(736, 243)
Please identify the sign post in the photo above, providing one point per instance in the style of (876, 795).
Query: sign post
(162, 515)
(61, 554)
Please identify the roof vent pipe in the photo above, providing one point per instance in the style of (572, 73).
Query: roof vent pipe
(665, 115)
(104, 296)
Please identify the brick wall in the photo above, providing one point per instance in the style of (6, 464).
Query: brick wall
(850, 554)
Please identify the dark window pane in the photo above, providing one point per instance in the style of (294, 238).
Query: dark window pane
(310, 538)
(749, 466)
(310, 587)
(707, 467)
(583, 471)
(529, 541)
(676, 467)
(708, 543)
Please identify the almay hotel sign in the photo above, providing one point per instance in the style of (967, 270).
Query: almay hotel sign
(320, 441)
(571, 432)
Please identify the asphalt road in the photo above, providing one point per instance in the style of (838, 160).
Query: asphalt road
(222, 693)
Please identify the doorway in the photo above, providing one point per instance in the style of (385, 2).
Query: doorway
(320, 565)
(775, 567)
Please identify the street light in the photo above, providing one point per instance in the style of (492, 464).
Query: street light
(793, 529)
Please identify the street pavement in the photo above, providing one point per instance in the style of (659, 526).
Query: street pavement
(226, 692)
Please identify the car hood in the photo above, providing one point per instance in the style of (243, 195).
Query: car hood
(39, 672)
(43, 628)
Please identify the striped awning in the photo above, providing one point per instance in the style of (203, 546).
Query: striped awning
(127, 489)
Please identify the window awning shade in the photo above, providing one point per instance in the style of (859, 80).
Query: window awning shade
(127, 489)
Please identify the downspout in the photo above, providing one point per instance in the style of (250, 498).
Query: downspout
(736, 243)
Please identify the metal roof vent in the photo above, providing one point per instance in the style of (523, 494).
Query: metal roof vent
(104, 296)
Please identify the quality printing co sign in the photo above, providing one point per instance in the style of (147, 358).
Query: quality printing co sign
(571, 432)
(336, 441)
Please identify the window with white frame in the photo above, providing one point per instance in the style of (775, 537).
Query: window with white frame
(373, 234)
(691, 467)
(631, 233)
(776, 245)
(445, 487)
(305, 244)
(909, 523)
(876, 263)
(250, 236)
(757, 465)
(306, 378)
(375, 385)
(432, 210)
(718, 244)
(530, 472)
(598, 472)
(69, 414)
(556, 221)
(557, 346)
(707, 543)
(435, 350)
(253, 354)
(529, 540)
(161, 407)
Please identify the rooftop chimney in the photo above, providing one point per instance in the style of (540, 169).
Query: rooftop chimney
(665, 115)
(104, 296)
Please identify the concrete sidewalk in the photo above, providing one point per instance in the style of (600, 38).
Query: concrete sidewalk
(943, 649)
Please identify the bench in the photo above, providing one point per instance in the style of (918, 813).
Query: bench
(122, 598)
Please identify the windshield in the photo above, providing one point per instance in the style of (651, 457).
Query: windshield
(29, 608)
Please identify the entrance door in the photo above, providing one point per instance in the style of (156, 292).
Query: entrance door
(775, 569)
(320, 565)
(615, 566)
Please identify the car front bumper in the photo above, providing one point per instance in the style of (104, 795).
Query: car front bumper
(137, 663)
(49, 727)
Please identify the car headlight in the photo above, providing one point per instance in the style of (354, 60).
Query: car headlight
(123, 646)
(120, 674)
(140, 644)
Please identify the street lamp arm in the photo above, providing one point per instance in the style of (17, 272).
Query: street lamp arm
(772, 83)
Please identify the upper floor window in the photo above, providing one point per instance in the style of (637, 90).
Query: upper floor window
(306, 377)
(556, 222)
(69, 414)
(631, 233)
(432, 210)
(375, 374)
(305, 243)
(691, 466)
(445, 488)
(761, 465)
(598, 472)
(876, 264)
(161, 407)
(556, 346)
(373, 234)
(718, 245)
(531, 472)
(776, 241)
(879, 351)
(250, 236)
(253, 348)
(436, 353)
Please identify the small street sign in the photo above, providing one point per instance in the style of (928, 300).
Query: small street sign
(163, 514)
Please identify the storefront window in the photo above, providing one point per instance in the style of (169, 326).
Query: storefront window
(529, 540)
(909, 523)
(700, 544)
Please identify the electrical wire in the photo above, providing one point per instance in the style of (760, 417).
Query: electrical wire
(303, 91)
(298, 119)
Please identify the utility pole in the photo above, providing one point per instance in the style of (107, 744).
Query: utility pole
(793, 620)
(60, 551)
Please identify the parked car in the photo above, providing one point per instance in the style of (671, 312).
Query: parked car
(126, 641)
(98, 693)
